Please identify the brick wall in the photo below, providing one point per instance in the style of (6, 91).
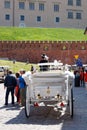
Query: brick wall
(31, 50)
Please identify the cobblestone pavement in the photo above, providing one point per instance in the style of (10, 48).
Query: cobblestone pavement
(42, 118)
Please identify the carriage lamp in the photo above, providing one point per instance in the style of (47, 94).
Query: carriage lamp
(48, 90)
(57, 96)
(60, 98)
(39, 96)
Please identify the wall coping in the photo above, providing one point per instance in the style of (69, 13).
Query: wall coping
(62, 42)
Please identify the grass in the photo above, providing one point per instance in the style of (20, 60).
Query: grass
(17, 66)
(35, 34)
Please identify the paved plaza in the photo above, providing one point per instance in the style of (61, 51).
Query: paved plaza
(42, 118)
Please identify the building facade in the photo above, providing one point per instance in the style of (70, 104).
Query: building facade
(43, 13)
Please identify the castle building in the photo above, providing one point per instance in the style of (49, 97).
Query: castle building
(44, 13)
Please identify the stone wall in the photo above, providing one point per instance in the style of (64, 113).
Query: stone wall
(30, 51)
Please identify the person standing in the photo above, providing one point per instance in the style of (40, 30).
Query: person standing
(22, 86)
(10, 84)
(44, 60)
(17, 90)
(85, 78)
(77, 78)
(82, 77)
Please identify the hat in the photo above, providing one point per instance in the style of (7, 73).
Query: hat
(43, 55)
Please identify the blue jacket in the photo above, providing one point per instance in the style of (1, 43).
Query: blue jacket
(22, 83)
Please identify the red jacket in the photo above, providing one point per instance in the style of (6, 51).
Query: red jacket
(85, 76)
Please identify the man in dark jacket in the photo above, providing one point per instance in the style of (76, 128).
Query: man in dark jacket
(44, 60)
(10, 83)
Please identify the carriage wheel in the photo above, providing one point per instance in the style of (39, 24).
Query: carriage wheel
(27, 109)
(71, 104)
(27, 104)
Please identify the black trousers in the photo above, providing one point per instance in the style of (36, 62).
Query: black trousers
(77, 81)
(9, 89)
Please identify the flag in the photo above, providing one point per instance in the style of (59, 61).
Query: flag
(76, 56)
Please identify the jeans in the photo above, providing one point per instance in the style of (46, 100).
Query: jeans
(9, 89)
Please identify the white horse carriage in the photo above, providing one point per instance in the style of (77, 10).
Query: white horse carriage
(53, 87)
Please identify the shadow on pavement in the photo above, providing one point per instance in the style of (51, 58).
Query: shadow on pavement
(10, 107)
(48, 117)
(40, 116)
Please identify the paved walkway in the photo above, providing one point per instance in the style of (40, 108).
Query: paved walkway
(13, 117)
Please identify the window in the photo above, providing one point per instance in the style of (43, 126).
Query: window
(57, 19)
(22, 17)
(38, 18)
(41, 6)
(56, 8)
(21, 5)
(70, 15)
(70, 2)
(31, 6)
(78, 15)
(7, 17)
(78, 2)
(7, 4)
